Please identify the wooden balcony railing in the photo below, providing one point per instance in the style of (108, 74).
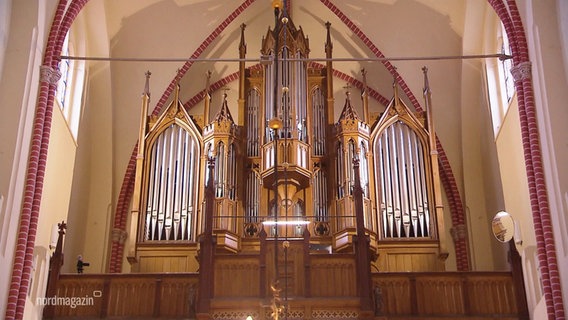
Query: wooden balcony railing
(135, 295)
(435, 295)
(459, 295)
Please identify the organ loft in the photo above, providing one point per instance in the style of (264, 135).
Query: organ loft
(285, 201)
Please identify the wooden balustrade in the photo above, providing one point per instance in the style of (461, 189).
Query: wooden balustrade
(167, 295)
(434, 295)
(459, 294)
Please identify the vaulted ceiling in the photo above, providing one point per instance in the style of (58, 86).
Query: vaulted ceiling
(360, 29)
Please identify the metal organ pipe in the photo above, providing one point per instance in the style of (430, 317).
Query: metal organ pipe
(390, 177)
(163, 184)
(413, 204)
(319, 122)
(269, 98)
(175, 185)
(339, 169)
(424, 194)
(252, 189)
(230, 172)
(395, 172)
(403, 193)
(170, 194)
(151, 213)
(170, 199)
(384, 204)
(220, 170)
(349, 168)
(403, 179)
(194, 158)
(253, 133)
(183, 186)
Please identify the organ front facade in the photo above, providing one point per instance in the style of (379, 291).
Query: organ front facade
(294, 190)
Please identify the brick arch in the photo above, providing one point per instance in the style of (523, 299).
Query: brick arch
(35, 174)
(546, 251)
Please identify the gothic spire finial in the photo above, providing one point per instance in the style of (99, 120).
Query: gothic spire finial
(348, 112)
(224, 114)
(242, 44)
(395, 87)
(364, 74)
(426, 89)
(207, 82)
(328, 44)
(147, 84)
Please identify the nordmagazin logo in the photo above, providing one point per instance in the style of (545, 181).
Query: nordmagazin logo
(71, 302)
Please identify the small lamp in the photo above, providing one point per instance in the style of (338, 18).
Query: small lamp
(275, 124)
(276, 4)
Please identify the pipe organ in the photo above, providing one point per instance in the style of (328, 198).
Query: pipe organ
(294, 179)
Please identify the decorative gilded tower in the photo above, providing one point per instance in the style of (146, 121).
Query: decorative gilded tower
(351, 142)
(220, 138)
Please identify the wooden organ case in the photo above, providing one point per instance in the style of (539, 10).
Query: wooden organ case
(284, 198)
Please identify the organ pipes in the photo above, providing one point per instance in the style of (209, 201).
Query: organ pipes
(319, 123)
(253, 125)
(169, 178)
(171, 197)
(320, 196)
(403, 184)
(252, 197)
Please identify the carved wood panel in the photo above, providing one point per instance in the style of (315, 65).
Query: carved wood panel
(236, 277)
(333, 276)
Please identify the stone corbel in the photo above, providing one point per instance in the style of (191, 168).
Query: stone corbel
(458, 232)
(119, 235)
(521, 71)
(49, 75)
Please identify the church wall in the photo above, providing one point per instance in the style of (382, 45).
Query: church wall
(54, 206)
(546, 40)
(5, 9)
(478, 148)
(91, 202)
(22, 45)
(516, 195)
(482, 186)
(548, 76)
(179, 39)
(91, 206)
(549, 82)
(451, 261)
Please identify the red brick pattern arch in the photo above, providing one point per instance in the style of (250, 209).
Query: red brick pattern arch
(23, 256)
(546, 251)
(63, 19)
